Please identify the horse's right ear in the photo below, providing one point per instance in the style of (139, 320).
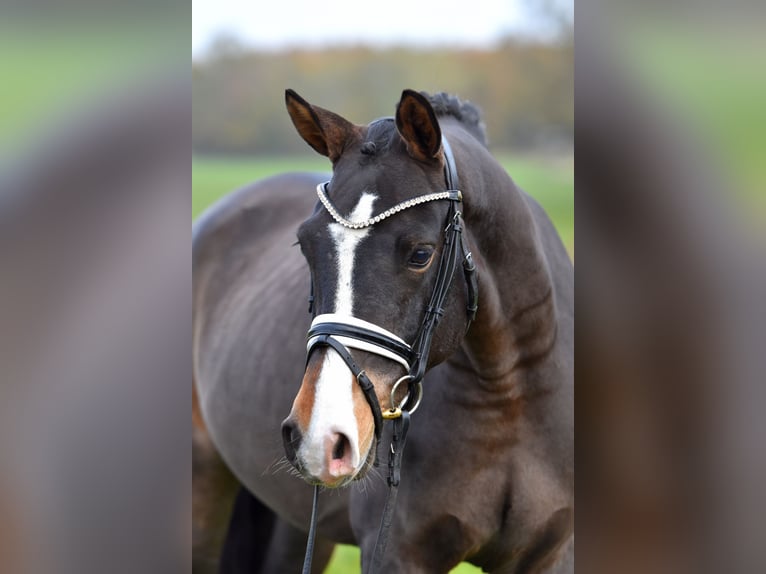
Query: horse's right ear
(326, 132)
(417, 125)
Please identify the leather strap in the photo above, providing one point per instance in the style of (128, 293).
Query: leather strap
(360, 333)
(435, 309)
(469, 267)
(450, 169)
(312, 533)
(401, 426)
(472, 282)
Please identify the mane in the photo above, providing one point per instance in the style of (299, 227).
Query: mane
(466, 113)
(382, 131)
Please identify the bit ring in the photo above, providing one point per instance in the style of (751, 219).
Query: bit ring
(408, 398)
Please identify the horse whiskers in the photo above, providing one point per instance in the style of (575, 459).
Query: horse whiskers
(281, 464)
(362, 484)
(369, 472)
(374, 473)
(295, 472)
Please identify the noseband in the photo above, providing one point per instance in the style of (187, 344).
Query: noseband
(341, 332)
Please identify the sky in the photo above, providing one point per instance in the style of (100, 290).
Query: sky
(274, 24)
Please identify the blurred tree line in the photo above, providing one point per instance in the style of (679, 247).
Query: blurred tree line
(524, 88)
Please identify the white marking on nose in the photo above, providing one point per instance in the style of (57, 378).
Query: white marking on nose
(333, 410)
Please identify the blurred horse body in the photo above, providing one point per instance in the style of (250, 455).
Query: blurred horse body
(245, 243)
(488, 472)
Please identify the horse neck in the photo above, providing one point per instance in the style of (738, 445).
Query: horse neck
(515, 328)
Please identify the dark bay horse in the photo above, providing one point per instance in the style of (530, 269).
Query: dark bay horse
(487, 475)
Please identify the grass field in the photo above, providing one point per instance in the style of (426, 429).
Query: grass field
(550, 181)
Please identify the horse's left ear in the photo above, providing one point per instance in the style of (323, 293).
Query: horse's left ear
(326, 132)
(417, 124)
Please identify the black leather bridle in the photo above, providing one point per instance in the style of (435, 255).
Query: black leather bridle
(340, 333)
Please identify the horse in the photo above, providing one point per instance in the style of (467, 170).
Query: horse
(487, 476)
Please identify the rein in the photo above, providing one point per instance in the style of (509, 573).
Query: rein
(342, 332)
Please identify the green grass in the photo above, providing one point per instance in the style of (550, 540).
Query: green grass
(550, 181)
(345, 560)
(213, 178)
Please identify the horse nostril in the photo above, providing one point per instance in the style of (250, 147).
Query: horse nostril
(291, 438)
(339, 458)
(339, 450)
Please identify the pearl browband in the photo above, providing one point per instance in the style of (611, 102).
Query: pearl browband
(452, 194)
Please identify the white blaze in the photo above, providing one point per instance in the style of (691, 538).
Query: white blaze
(333, 410)
(346, 242)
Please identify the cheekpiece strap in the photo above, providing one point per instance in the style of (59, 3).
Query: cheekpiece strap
(450, 169)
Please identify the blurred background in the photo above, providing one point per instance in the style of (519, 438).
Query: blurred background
(513, 59)
(670, 276)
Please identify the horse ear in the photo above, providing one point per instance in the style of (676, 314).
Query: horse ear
(417, 124)
(326, 132)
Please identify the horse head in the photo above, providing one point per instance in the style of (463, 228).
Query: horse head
(382, 246)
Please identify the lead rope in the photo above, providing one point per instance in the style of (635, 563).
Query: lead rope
(312, 533)
(315, 501)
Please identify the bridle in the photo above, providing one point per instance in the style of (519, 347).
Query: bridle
(341, 332)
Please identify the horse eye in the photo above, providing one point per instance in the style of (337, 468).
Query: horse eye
(421, 256)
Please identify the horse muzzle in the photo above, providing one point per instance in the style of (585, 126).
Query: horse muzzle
(331, 459)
